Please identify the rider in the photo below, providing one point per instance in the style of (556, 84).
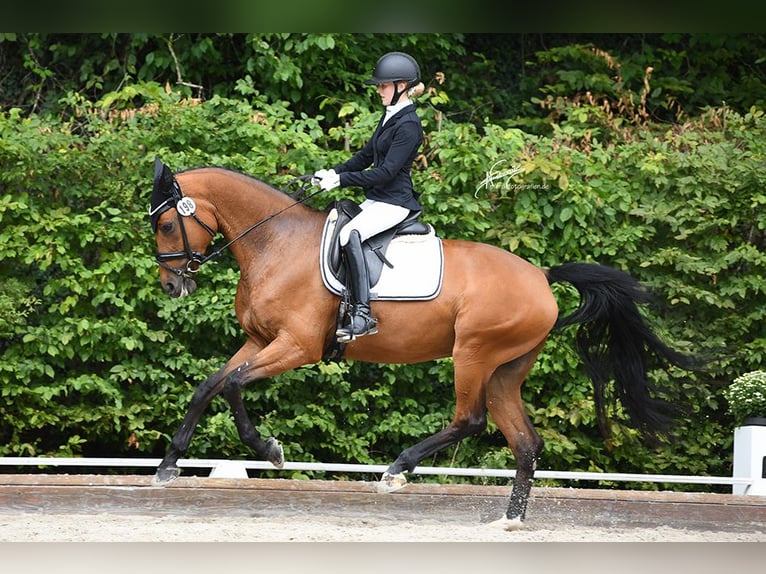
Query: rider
(387, 185)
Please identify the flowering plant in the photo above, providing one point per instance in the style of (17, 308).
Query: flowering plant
(747, 395)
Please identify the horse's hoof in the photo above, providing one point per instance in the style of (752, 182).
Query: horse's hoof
(509, 524)
(391, 482)
(275, 454)
(165, 476)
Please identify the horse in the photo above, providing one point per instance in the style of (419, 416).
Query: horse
(492, 315)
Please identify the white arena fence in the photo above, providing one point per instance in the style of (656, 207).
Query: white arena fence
(220, 468)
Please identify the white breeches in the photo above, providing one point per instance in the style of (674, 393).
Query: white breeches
(376, 216)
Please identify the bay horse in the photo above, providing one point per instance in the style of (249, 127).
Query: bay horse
(493, 315)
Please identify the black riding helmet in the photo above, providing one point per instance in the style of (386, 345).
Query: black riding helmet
(395, 67)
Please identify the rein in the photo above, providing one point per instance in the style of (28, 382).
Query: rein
(301, 189)
(196, 259)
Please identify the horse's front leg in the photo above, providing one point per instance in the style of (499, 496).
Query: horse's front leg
(268, 449)
(168, 470)
(250, 363)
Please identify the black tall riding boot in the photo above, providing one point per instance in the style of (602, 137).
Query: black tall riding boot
(361, 320)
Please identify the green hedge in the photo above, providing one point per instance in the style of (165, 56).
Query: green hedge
(97, 361)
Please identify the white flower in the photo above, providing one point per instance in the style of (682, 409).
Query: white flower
(747, 395)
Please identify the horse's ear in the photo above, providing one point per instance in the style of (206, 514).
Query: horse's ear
(163, 178)
(163, 191)
(158, 165)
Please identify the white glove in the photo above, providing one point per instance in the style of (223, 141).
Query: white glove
(318, 175)
(327, 179)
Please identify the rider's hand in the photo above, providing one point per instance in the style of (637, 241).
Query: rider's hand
(327, 179)
(318, 175)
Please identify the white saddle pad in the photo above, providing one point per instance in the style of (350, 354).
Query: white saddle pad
(418, 266)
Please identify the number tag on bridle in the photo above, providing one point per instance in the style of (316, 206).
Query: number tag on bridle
(186, 206)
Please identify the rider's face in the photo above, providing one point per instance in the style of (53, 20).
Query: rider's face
(386, 92)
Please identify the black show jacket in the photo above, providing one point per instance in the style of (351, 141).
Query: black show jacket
(391, 151)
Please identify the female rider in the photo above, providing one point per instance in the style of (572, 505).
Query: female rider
(387, 184)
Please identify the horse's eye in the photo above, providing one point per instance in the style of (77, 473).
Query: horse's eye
(167, 227)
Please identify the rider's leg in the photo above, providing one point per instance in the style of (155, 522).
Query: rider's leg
(375, 217)
(361, 322)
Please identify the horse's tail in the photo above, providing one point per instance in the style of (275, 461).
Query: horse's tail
(614, 341)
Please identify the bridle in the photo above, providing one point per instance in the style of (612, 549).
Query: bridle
(195, 259)
(186, 207)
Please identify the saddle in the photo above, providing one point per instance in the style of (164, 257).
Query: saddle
(413, 245)
(375, 247)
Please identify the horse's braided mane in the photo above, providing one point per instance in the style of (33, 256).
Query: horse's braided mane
(230, 170)
(241, 174)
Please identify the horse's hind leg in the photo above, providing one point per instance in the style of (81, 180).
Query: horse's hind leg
(470, 418)
(507, 411)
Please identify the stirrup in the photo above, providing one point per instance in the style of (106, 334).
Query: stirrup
(360, 324)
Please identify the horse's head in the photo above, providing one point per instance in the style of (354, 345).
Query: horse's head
(181, 232)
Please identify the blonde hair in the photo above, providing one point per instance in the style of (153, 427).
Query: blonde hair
(416, 90)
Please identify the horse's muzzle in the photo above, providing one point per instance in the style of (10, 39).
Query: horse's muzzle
(178, 286)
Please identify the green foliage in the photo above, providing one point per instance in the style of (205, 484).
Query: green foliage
(96, 360)
(490, 76)
(314, 72)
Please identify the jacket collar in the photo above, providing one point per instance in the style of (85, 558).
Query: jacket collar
(391, 111)
(399, 111)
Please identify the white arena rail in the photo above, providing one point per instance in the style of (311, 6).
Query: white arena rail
(238, 469)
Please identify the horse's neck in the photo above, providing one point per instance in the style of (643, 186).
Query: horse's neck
(242, 202)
